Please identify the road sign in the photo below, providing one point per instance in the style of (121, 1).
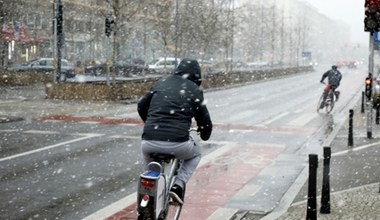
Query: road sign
(17, 30)
(306, 54)
(376, 37)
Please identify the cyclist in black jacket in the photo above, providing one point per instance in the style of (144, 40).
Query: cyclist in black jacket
(334, 77)
(167, 111)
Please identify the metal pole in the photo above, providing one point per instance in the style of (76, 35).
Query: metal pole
(371, 53)
(325, 198)
(362, 107)
(370, 71)
(55, 8)
(311, 213)
(176, 33)
(350, 133)
(369, 120)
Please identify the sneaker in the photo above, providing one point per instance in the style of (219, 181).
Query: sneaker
(176, 193)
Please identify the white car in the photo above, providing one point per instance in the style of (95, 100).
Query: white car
(164, 65)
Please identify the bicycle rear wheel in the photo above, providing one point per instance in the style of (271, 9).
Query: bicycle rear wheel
(146, 213)
(173, 211)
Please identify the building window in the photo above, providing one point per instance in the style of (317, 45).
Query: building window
(45, 23)
(38, 21)
(31, 20)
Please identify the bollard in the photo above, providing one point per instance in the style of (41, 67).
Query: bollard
(369, 120)
(350, 132)
(377, 115)
(325, 198)
(311, 213)
(362, 108)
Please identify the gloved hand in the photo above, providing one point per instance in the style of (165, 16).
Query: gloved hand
(199, 130)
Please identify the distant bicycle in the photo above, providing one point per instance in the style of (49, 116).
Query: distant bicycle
(153, 193)
(329, 101)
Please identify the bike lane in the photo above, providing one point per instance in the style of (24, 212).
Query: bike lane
(218, 179)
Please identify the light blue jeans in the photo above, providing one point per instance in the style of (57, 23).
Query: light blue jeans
(189, 152)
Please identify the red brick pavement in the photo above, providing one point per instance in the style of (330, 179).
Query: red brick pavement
(214, 183)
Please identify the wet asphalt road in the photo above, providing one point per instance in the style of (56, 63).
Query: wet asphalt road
(66, 170)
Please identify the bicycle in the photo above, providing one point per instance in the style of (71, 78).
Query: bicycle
(329, 102)
(153, 198)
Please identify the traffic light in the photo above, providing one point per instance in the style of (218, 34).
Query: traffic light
(368, 87)
(108, 29)
(60, 19)
(372, 15)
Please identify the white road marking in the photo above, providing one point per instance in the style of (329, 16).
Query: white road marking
(40, 132)
(242, 115)
(128, 115)
(49, 147)
(113, 208)
(9, 130)
(266, 122)
(125, 137)
(10, 101)
(302, 120)
(89, 122)
(356, 149)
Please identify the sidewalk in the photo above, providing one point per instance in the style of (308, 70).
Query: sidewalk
(354, 176)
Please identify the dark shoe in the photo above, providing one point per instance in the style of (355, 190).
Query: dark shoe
(336, 96)
(176, 193)
(322, 105)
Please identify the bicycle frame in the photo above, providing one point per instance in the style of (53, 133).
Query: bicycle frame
(153, 190)
(328, 98)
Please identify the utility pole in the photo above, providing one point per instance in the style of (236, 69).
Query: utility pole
(58, 40)
(371, 25)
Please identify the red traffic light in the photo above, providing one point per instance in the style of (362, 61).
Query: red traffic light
(372, 16)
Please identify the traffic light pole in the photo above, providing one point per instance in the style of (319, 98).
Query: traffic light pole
(370, 71)
(58, 39)
(55, 6)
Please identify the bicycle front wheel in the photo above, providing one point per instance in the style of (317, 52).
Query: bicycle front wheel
(329, 106)
(320, 103)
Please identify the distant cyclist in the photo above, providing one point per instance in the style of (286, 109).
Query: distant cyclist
(167, 111)
(334, 77)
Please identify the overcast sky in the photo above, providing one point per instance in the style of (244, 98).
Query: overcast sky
(349, 11)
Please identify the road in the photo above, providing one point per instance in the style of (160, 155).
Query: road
(67, 160)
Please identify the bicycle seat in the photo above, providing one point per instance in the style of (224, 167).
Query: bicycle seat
(164, 157)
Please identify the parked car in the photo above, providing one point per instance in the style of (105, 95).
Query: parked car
(207, 67)
(162, 64)
(135, 66)
(258, 65)
(44, 65)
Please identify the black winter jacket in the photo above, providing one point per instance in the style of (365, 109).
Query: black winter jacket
(168, 108)
(334, 77)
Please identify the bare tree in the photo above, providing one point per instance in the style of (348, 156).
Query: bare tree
(122, 11)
